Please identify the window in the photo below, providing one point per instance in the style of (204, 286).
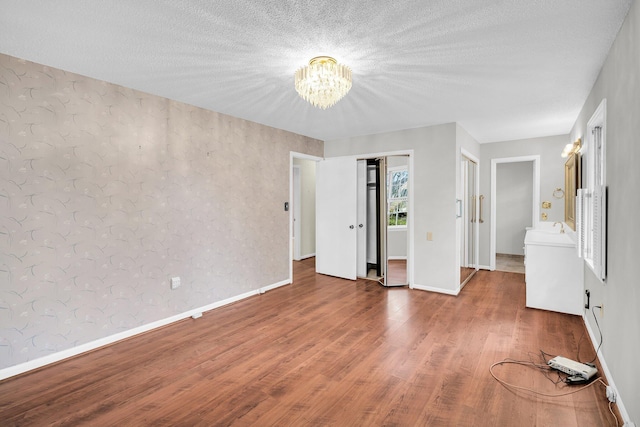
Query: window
(397, 196)
(592, 198)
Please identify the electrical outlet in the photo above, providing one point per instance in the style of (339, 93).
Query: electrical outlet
(175, 282)
(429, 236)
(611, 394)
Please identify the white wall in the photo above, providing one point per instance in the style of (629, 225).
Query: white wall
(435, 179)
(307, 206)
(514, 188)
(619, 83)
(465, 141)
(551, 177)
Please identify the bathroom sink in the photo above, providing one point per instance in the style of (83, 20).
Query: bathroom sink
(553, 271)
(549, 236)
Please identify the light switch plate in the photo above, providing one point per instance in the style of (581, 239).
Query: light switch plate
(175, 282)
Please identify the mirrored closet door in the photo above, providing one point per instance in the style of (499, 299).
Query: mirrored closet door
(470, 217)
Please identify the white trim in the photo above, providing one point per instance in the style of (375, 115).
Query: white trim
(535, 214)
(307, 256)
(453, 292)
(269, 287)
(304, 156)
(396, 257)
(607, 372)
(596, 194)
(365, 156)
(469, 156)
(485, 267)
(93, 345)
(411, 226)
(296, 200)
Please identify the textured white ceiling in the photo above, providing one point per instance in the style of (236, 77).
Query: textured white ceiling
(504, 70)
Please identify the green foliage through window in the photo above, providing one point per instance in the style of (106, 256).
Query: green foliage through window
(397, 192)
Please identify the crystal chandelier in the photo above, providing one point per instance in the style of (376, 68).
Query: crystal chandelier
(323, 82)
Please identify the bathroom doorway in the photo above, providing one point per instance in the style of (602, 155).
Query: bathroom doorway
(515, 196)
(514, 188)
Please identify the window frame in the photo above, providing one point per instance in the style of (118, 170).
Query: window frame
(592, 199)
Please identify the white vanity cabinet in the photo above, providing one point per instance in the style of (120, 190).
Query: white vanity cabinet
(553, 272)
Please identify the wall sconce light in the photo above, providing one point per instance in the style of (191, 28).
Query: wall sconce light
(572, 148)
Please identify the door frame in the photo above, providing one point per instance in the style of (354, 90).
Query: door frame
(296, 208)
(410, 225)
(535, 214)
(294, 155)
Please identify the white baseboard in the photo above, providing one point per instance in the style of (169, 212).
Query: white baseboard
(596, 342)
(453, 292)
(307, 256)
(275, 285)
(485, 267)
(398, 257)
(93, 345)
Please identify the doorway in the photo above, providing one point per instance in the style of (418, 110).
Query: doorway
(346, 234)
(302, 209)
(514, 187)
(383, 202)
(303, 205)
(507, 215)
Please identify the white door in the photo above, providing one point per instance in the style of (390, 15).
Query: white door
(336, 226)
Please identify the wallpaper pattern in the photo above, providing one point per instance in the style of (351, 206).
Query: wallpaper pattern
(106, 193)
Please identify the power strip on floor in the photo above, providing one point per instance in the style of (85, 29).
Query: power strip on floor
(571, 367)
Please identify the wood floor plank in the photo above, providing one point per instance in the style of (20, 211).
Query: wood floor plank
(325, 351)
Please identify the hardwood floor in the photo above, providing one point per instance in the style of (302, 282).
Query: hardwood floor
(325, 351)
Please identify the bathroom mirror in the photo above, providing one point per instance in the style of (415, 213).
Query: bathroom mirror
(571, 185)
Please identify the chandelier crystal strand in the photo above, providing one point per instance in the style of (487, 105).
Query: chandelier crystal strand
(323, 82)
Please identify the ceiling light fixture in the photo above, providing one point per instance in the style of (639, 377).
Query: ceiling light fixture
(323, 82)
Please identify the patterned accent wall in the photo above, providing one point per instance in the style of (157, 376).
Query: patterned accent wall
(106, 193)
